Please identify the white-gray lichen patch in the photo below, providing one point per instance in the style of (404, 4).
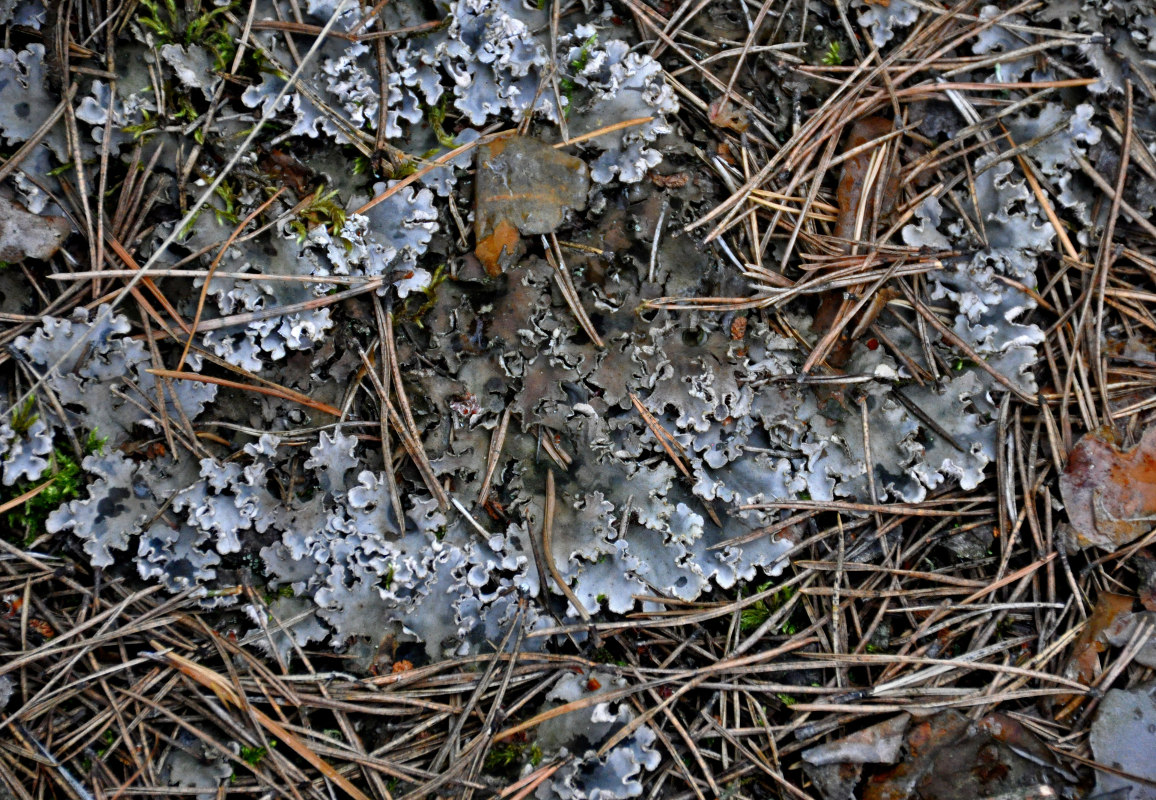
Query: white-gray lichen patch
(101, 376)
(353, 535)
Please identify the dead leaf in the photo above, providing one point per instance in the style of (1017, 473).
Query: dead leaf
(721, 113)
(1145, 566)
(1124, 627)
(523, 186)
(1110, 494)
(878, 744)
(856, 199)
(27, 235)
(674, 181)
(948, 757)
(490, 250)
(1084, 663)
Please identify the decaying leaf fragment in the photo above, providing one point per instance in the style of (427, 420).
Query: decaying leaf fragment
(1084, 663)
(24, 235)
(856, 195)
(524, 186)
(836, 767)
(947, 756)
(1110, 493)
(1123, 736)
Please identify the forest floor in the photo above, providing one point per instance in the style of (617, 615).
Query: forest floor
(658, 399)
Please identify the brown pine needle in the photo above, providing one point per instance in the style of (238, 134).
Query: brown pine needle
(271, 390)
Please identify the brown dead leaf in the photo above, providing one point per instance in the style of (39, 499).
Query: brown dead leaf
(523, 186)
(854, 197)
(948, 758)
(676, 180)
(722, 114)
(502, 241)
(1084, 663)
(1110, 493)
(285, 168)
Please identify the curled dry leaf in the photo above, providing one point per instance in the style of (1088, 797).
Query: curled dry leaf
(1110, 493)
(836, 767)
(878, 744)
(523, 186)
(1127, 626)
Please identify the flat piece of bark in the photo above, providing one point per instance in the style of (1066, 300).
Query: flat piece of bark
(524, 186)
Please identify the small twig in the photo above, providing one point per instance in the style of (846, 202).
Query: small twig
(548, 551)
(657, 239)
(497, 440)
(566, 284)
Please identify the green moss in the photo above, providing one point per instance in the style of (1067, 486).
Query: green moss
(208, 28)
(505, 758)
(106, 739)
(756, 614)
(436, 116)
(833, 57)
(229, 212)
(324, 209)
(66, 479)
(579, 63)
(24, 417)
(566, 84)
(415, 310)
(254, 755)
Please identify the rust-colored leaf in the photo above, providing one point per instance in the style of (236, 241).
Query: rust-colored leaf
(724, 115)
(524, 186)
(852, 194)
(492, 248)
(1084, 663)
(1110, 494)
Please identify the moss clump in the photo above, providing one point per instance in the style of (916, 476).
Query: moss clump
(505, 758)
(756, 614)
(66, 481)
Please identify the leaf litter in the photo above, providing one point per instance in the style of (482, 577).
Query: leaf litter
(701, 401)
